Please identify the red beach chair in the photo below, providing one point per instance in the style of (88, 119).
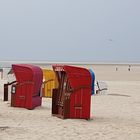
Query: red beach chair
(73, 96)
(26, 92)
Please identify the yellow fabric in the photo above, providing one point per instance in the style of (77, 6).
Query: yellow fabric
(50, 82)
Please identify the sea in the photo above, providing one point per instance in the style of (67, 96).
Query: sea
(8, 64)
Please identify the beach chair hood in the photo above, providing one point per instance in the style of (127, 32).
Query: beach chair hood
(28, 73)
(77, 77)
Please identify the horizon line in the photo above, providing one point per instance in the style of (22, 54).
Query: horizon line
(69, 62)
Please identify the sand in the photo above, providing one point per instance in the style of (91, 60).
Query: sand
(115, 115)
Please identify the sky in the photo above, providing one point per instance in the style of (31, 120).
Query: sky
(70, 30)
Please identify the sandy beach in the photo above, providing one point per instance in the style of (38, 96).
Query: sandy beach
(114, 115)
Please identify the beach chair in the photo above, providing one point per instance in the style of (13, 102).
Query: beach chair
(101, 87)
(72, 98)
(25, 93)
(49, 83)
(93, 81)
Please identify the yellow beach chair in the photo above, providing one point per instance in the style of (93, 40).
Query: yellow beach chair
(49, 82)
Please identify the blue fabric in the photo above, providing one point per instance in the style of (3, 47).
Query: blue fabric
(93, 80)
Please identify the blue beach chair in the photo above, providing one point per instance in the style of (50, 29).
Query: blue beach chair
(93, 81)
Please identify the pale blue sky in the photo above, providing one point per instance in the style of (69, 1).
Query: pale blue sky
(70, 30)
